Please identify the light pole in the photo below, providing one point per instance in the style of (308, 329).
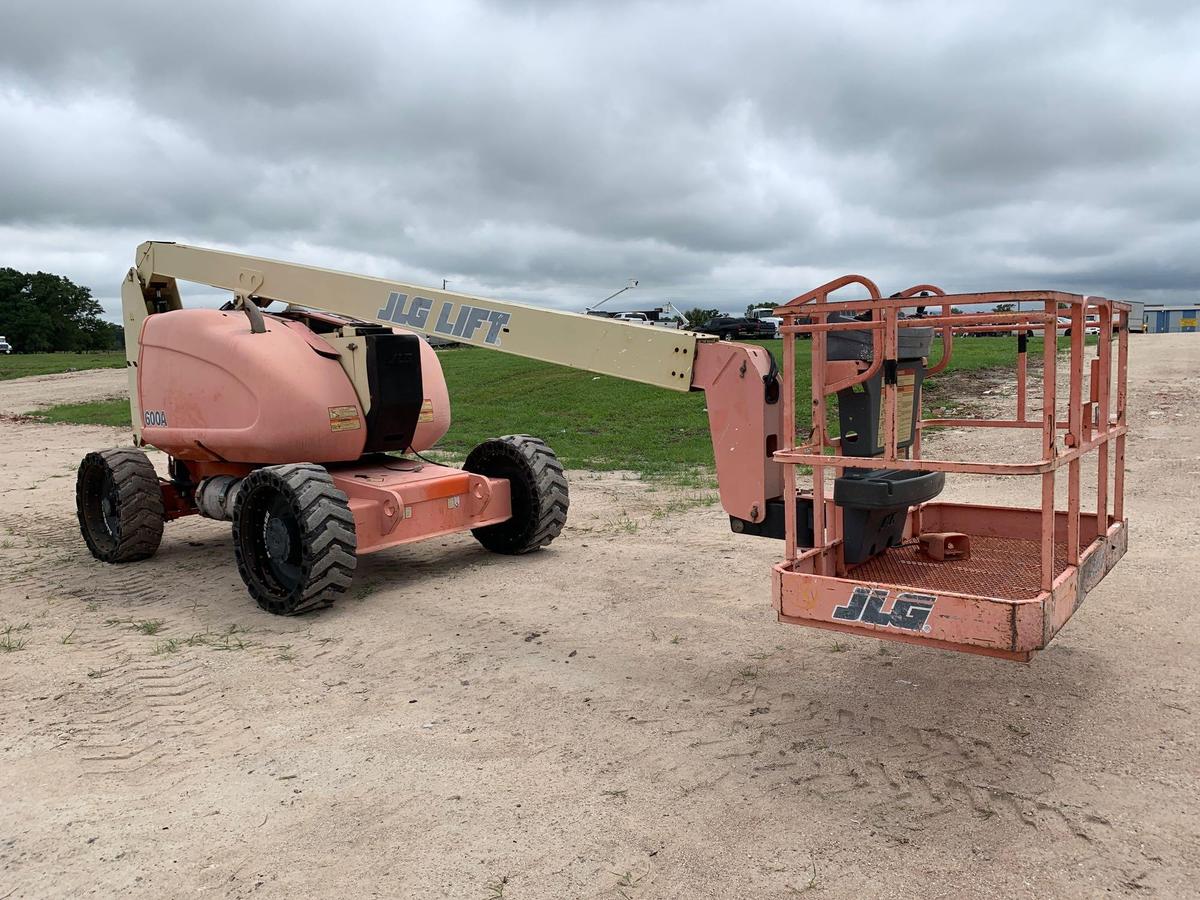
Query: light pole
(632, 283)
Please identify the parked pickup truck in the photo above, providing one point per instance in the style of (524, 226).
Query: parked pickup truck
(767, 317)
(5, 346)
(730, 327)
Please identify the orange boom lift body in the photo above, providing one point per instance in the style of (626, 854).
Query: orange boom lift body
(305, 429)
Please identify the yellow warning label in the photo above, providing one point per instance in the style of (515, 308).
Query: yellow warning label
(906, 385)
(344, 418)
(426, 411)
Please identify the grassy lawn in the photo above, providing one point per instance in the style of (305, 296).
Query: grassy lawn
(20, 365)
(592, 422)
(602, 423)
(100, 412)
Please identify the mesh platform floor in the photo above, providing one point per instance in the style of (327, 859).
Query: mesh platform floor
(1008, 568)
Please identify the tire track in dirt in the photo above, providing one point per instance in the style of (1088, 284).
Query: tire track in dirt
(898, 771)
(899, 775)
(150, 710)
(142, 686)
(132, 702)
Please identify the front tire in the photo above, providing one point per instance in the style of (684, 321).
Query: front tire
(119, 505)
(539, 491)
(294, 538)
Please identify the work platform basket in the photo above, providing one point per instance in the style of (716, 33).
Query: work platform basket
(1028, 569)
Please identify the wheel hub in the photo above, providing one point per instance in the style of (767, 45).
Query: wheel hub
(278, 539)
(109, 504)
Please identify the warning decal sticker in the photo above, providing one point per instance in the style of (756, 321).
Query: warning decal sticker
(906, 385)
(344, 418)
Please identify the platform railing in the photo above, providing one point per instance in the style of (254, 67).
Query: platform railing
(1088, 426)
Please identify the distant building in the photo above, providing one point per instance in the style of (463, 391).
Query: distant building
(1164, 317)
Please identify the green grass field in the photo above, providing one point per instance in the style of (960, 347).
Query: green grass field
(591, 421)
(100, 412)
(20, 365)
(602, 423)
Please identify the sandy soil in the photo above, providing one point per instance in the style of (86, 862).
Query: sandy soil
(617, 716)
(22, 395)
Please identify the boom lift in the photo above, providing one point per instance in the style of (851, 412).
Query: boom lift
(305, 427)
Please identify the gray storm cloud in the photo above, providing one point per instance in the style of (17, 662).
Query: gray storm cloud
(722, 153)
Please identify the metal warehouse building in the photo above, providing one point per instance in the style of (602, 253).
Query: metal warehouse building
(1160, 317)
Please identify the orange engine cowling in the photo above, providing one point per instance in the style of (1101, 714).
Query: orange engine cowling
(211, 389)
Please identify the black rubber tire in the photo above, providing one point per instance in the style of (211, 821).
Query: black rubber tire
(540, 495)
(119, 504)
(294, 538)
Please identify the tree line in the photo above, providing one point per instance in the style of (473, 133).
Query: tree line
(41, 313)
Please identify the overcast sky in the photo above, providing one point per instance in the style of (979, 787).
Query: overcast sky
(721, 153)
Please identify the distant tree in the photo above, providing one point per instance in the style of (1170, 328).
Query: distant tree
(957, 310)
(1004, 307)
(696, 317)
(765, 304)
(40, 312)
(110, 336)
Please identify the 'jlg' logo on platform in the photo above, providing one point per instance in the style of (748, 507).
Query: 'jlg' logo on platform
(910, 611)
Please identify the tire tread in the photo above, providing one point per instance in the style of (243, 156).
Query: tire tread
(141, 509)
(531, 464)
(327, 532)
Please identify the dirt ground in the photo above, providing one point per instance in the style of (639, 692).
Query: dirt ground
(41, 391)
(617, 716)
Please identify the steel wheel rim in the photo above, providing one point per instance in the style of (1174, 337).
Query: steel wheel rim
(272, 543)
(110, 506)
(102, 507)
(281, 544)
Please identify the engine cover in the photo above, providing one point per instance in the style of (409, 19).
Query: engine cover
(209, 389)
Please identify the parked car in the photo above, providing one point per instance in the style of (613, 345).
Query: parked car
(1091, 325)
(5, 346)
(767, 316)
(729, 327)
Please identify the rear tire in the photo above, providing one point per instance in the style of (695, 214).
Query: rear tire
(294, 538)
(119, 505)
(540, 495)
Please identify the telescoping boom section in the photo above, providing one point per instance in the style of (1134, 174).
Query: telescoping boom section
(304, 427)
